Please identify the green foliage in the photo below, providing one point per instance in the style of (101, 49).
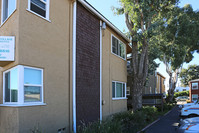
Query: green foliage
(177, 36)
(144, 15)
(168, 106)
(125, 122)
(142, 18)
(107, 126)
(191, 73)
(182, 93)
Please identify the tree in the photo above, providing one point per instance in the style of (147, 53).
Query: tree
(178, 41)
(191, 73)
(141, 17)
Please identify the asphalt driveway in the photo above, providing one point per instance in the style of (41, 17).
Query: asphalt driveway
(167, 123)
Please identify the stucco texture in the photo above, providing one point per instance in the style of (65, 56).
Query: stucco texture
(9, 116)
(113, 69)
(46, 45)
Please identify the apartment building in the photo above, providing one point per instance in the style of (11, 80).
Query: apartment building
(194, 90)
(62, 62)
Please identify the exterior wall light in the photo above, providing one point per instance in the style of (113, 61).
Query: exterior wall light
(103, 26)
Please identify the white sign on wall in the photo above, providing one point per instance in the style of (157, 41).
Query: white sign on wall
(7, 48)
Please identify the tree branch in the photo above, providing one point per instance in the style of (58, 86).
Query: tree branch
(129, 23)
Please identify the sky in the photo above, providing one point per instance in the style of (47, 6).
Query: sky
(105, 7)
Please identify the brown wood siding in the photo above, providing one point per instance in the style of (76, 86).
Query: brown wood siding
(161, 84)
(88, 66)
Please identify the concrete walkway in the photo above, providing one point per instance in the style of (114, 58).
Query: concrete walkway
(167, 123)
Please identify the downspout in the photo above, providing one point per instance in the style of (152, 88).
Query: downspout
(100, 70)
(74, 65)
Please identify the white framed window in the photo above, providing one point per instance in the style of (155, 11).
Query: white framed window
(118, 47)
(39, 7)
(7, 8)
(118, 90)
(194, 97)
(194, 86)
(128, 91)
(23, 85)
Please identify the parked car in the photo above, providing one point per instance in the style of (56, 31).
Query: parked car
(189, 125)
(190, 104)
(182, 98)
(190, 111)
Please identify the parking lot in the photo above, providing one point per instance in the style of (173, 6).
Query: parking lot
(181, 102)
(170, 121)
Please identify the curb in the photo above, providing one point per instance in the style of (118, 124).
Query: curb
(168, 112)
(155, 121)
(149, 125)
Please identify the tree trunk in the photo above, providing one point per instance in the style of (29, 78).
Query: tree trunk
(172, 85)
(139, 63)
(140, 71)
(138, 86)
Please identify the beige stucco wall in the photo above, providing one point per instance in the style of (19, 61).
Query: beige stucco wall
(42, 44)
(113, 69)
(9, 116)
(48, 45)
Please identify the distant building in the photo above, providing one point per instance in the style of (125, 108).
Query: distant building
(194, 90)
(180, 89)
(155, 84)
(154, 91)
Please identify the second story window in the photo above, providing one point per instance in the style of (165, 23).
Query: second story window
(8, 7)
(194, 86)
(118, 47)
(40, 7)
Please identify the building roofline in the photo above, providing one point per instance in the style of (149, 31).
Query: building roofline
(98, 14)
(194, 80)
(161, 75)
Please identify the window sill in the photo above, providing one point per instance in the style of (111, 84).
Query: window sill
(119, 99)
(22, 105)
(38, 15)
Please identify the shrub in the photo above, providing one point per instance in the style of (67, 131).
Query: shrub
(125, 122)
(183, 93)
(169, 106)
(107, 126)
